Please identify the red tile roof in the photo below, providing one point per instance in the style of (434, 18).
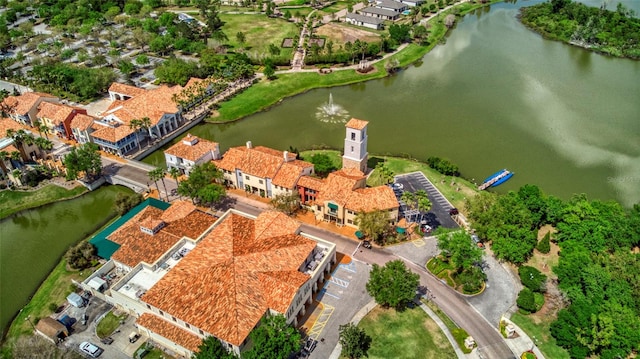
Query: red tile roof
(180, 220)
(192, 152)
(112, 134)
(56, 113)
(313, 183)
(127, 90)
(235, 274)
(25, 102)
(289, 173)
(82, 122)
(9, 124)
(356, 124)
(163, 327)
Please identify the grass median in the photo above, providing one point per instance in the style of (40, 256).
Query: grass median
(12, 202)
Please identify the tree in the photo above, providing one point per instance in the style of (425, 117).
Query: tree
(449, 20)
(155, 175)
(124, 202)
(211, 194)
(355, 341)
(211, 348)
(288, 203)
(544, 246)
(269, 69)
(399, 33)
(373, 224)
(393, 285)
(241, 37)
(422, 199)
(199, 177)
(532, 278)
(273, 339)
(459, 249)
(175, 173)
(323, 165)
(526, 300)
(143, 59)
(84, 158)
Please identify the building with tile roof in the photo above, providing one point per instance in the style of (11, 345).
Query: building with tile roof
(8, 145)
(57, 117)
(24, 108)
(220, 282)
(262, 170)
(156, 106)
(355, 145)
(189, 152)
(81, 127)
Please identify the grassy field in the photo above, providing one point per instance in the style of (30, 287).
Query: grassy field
(407, 334)
(540, 331)
(15, 201)
(262, 32)
(53, 290)
(335, 156)
(108, 324)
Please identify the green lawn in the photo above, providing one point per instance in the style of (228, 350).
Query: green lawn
(335, 156)
(108, 324)
(540, 331)
(262, 32)
(407, 334)
(15, 201)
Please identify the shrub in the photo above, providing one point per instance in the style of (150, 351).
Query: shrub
(443, 166)
(460, 335)
(81, 256)
(526, 301)
(53, 307)
(532, 278)
(544, 246)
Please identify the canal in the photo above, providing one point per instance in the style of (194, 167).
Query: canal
(33, 242)
(496, 95)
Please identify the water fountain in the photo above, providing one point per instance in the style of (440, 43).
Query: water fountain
(332, 113)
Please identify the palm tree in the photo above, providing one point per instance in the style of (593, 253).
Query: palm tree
(3, 156)
(155, 175)
(21, 138)
(44, 144)
(175, 173)
(135, 125)
(424, 205)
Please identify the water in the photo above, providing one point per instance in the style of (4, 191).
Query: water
(331, 112)
(496, 95)
(33, 241)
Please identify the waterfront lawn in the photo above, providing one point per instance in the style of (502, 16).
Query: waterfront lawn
(15, 201)
(539, 329)
(54, 289)
(262, 27)
(407, 334)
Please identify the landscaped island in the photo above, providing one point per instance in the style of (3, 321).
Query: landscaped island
(615, 33)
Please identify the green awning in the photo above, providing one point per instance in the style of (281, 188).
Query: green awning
(359, 234)
(401, 230)
(333, 206)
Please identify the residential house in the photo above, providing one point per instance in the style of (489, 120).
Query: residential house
(413, 3)
(392, 5)
(28, 151)
(52, 330)
(116, 135)
(24, 108)
(262, 170)
(57, 118)
(81, 128)
(189, 152)
(185, 278)
(364, 21)
(379, 13)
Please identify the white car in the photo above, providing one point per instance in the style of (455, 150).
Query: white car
(92, 350)
(397, 186)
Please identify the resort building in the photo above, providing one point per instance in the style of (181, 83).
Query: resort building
(57, 118)
(115, 134)
(185, 275)
(262, 170)
(24, 108)
(81, 128)
(189, 152)
(364, 21)
(28, 151)
(355, 145)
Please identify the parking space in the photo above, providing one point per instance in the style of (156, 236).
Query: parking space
(440, 206)
(342, 295)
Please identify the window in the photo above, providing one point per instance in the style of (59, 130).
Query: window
(201, 332)
(187, 324)
(173, 318)
(349, 221)
(161, 313)
(148, 307)
(353, 136)
(246, 177)
(260, 181)
(351, 148)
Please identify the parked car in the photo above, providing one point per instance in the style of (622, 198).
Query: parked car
(310, 345)
(84, 319)
(366, 244)
(397, 186)
(453, 211)
(90, 349)
(106, 340)
(133, 337)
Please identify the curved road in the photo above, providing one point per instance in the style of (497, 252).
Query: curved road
(491, 345)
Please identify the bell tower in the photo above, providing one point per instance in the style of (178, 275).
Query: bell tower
(355, 145)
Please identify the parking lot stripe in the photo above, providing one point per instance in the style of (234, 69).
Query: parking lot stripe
(351, 267)
(341, 282)
(324, 292)
(321, 321)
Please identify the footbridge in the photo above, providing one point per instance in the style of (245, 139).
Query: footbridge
(132, 174)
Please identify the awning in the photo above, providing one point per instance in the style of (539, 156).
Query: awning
(359, 235)
(333, 206)
(401, 230)
(97, 283)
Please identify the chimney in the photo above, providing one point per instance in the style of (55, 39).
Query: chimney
(249, 144)
(285, 154)
(190, 140)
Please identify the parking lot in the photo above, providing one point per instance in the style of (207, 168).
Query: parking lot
(440, 206)
(341, 297)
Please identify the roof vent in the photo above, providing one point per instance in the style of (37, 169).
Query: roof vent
(190, 140)
(249, 144)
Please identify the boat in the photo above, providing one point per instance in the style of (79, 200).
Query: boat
(494, 175)
(503, 179)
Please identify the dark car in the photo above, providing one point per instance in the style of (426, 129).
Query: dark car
(106, 340)
(453, 211)
(366, 244)
(310, 345)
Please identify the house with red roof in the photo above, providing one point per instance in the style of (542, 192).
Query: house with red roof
(24, 108)
(189, 152)
(185, 276)
(58, 117)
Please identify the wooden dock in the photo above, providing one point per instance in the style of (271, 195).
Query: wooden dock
(489, 183)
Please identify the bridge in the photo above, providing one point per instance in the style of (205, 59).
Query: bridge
(134, 175)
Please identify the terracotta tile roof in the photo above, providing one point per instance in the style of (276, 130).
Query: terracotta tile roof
(160, 326)
(350, 173)
(262, 162)
(145, 103)
(337, 189)
(136, 246)
(372, 198)
(313, 183)
(112, 134)
(25, 102)
(289, 173)
(127, 90)
(192, 152)
(357, 124)
(10, 148)
(9, 124)
(82, 122)
(57, 113)
(235, 274)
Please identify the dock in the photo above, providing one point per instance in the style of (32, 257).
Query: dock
(489, 183)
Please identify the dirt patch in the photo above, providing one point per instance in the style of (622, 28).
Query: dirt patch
(288, 42)
(341, 34)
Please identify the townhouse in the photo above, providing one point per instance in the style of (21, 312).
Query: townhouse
(58, 117)
(24, 108)
(189, 152)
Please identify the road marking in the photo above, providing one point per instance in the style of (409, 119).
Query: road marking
(351, 267)
(322, 293)
(341, 282)
(321, 321)
(418, 242)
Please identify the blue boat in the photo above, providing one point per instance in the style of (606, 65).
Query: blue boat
(503, 179)
(494, 175)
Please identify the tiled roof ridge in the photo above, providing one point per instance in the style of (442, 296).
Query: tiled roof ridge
(236, 307)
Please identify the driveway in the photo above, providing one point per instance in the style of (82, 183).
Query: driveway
(440, 206)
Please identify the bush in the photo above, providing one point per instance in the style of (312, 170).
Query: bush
(443, 166)
(544, 246)
(81, 256)
(526, 301)
(53, 307)
(124, 202)
(460, 335)
(532, 278)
